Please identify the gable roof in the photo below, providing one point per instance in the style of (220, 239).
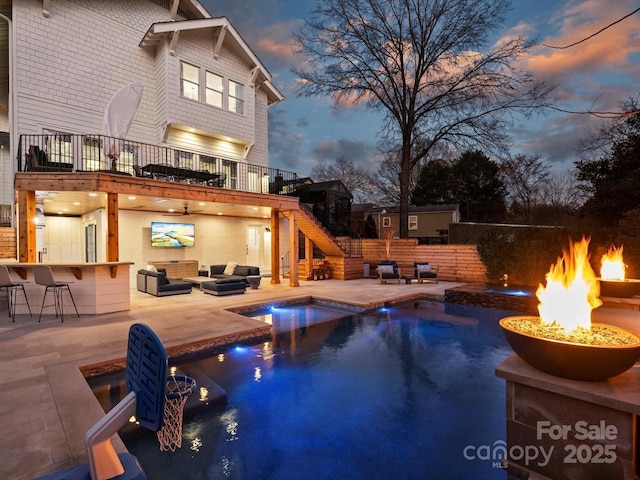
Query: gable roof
(222, 31)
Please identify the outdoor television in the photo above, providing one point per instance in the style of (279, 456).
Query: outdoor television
(172, 235)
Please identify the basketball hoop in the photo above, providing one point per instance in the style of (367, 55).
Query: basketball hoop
(178, 389)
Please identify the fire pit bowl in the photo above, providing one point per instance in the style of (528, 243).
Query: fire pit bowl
(576, 361)
(619, 288)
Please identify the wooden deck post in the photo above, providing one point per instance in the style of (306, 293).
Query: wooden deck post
(27, 226)
(275, 245)
(112, 228)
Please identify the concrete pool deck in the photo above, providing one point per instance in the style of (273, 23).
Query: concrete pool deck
(45, 404)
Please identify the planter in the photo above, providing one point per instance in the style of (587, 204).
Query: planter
(619, 288)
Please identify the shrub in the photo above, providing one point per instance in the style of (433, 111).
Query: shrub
(525, 255)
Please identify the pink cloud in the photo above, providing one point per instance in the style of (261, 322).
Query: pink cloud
(609, 49)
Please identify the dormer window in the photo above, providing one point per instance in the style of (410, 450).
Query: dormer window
(189, 83)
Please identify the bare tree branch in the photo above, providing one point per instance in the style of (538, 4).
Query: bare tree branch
(425, 65)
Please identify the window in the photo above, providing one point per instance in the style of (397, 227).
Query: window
(236, 97)
(92, 153)
(230, 169)
(386, 222)
(183, 159)
(58, 147)
(413, 222)
(214, 90)
(189, 84)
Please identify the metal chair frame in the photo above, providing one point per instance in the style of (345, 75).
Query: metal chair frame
(12, 291)
(44, 276)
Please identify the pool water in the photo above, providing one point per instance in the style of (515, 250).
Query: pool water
(403, 393)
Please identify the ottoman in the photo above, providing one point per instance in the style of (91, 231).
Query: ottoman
(224, 286)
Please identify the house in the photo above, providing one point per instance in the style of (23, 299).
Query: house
(429, 223)
(196, 150)
(330, 202)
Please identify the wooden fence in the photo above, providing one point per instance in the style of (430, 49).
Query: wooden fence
(456, 263)
(8, 243)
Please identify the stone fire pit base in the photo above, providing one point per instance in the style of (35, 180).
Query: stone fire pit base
(589, 430)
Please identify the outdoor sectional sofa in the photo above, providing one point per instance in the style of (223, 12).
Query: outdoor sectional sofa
(239, 272)
(157, 283)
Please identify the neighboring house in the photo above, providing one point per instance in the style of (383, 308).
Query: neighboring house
(198, 136)
(429, 223)
(330, 203)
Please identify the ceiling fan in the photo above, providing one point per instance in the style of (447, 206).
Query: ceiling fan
(185, 213)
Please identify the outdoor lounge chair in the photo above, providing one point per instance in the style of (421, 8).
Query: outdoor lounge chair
(424, 271)
(388, 270)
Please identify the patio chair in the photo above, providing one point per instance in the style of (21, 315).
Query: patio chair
(44, 276)
(425, 271)
(12, 290)
(388, 270)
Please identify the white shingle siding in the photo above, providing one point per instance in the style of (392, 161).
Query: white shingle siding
(71, 63)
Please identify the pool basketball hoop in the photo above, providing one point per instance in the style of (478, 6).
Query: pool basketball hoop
(178, 389)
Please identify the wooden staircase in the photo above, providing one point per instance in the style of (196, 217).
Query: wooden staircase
(318, 234)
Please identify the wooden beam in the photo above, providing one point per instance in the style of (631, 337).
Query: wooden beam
(222, 31)
(112, 183)
(27, 226)
(308, 256)
(112, 228)
(294, 258)
(275, 246)
(173, 42)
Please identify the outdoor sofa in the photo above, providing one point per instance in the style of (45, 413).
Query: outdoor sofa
(232, 270)
(157, 283)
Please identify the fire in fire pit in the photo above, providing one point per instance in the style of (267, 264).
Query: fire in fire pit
(612, 276)
(562, 340)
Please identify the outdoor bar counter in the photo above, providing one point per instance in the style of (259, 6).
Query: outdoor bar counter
(101, 287)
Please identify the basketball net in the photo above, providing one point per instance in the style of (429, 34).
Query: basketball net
(179, 387)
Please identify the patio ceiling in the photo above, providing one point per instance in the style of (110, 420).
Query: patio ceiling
(80, 203)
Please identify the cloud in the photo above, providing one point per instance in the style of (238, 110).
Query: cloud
(361, 153)
(608, 50)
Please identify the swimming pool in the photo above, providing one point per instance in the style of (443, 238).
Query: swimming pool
(408, 392)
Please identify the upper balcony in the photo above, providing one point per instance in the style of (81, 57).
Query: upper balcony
(66, 153)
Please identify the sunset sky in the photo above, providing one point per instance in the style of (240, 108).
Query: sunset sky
(596, 75)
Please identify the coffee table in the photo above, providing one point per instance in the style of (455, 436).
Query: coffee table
(197, 281)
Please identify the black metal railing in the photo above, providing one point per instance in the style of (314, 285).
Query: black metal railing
(66, 153)
(351, 245)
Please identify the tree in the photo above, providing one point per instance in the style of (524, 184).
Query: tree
(478, 188)
(525, 178)
(420, 63)
(435, 185)
(612, 180)
(354, 178)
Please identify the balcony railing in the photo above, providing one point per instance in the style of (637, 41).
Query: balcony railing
(65, 153)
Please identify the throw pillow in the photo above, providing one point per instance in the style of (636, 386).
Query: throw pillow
(385, 269)
(231, 266)
(423, 267)
(151, 268)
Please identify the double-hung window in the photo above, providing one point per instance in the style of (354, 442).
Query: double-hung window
(189, 81)
(386, 222)
(214, 90)
(413, 222)
(236, 97)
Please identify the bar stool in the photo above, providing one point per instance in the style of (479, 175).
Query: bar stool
(12, 291)
(44, 276)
